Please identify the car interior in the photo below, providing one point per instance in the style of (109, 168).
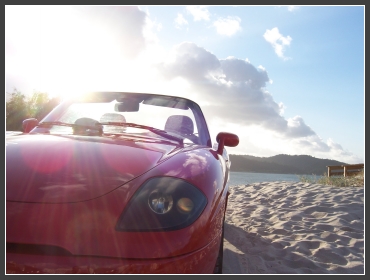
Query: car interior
(182, 125)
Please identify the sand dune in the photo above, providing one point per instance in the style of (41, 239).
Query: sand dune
(294, 228)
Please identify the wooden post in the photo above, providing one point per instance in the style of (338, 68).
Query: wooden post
(346, 170)
(329, 171)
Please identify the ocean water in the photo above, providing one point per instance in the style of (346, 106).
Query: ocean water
(243, 178)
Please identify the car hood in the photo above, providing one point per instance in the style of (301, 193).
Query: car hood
(59, 169)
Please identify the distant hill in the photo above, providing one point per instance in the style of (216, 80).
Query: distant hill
(281, 164)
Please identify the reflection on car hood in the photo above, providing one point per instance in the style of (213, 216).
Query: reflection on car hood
(56, 169)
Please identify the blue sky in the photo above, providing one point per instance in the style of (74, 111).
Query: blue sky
(286, 79)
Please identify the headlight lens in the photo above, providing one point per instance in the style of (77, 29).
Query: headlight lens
(162, 204)
(185, 205)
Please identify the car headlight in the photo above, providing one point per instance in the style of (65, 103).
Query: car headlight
(162, 204)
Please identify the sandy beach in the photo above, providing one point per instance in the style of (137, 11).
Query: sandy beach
(294, 228)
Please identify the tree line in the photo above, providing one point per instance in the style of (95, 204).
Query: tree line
(20, 107)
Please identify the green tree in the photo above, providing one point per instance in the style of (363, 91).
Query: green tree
(16, 111)
(40, 104)
(19, 108)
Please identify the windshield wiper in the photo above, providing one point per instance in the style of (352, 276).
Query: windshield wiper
(157, 131)
(54, 123)
(76, 127)
(96, 126)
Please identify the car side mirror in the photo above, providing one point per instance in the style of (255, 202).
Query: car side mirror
(226, 139)
(29, 124)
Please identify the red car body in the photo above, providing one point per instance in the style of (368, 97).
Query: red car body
(76, 203)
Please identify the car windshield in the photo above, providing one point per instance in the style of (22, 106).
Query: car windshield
(134, 114)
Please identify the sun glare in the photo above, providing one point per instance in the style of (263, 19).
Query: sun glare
(69, 57)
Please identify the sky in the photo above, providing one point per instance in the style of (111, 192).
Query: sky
(285, 79)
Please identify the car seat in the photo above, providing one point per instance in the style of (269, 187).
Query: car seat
(182, 125)
(113, 117)
(87, 126)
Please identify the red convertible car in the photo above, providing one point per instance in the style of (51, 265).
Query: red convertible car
(117, 182)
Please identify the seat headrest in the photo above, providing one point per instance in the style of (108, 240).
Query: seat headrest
(179, 123)
(112, 117)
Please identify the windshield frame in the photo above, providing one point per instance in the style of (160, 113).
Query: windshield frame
(183, 104)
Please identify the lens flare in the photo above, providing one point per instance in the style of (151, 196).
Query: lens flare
(185, 205)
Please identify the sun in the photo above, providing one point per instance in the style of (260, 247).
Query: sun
(68, 57)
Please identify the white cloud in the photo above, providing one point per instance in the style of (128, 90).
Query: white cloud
(149, 31)
(233, 96)
(180, 21)
(246, 94)
(297, 128)
(199, 12)
(277, 41)
(189, 61)
(125, 24)
(292, 8)
(228, 26)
